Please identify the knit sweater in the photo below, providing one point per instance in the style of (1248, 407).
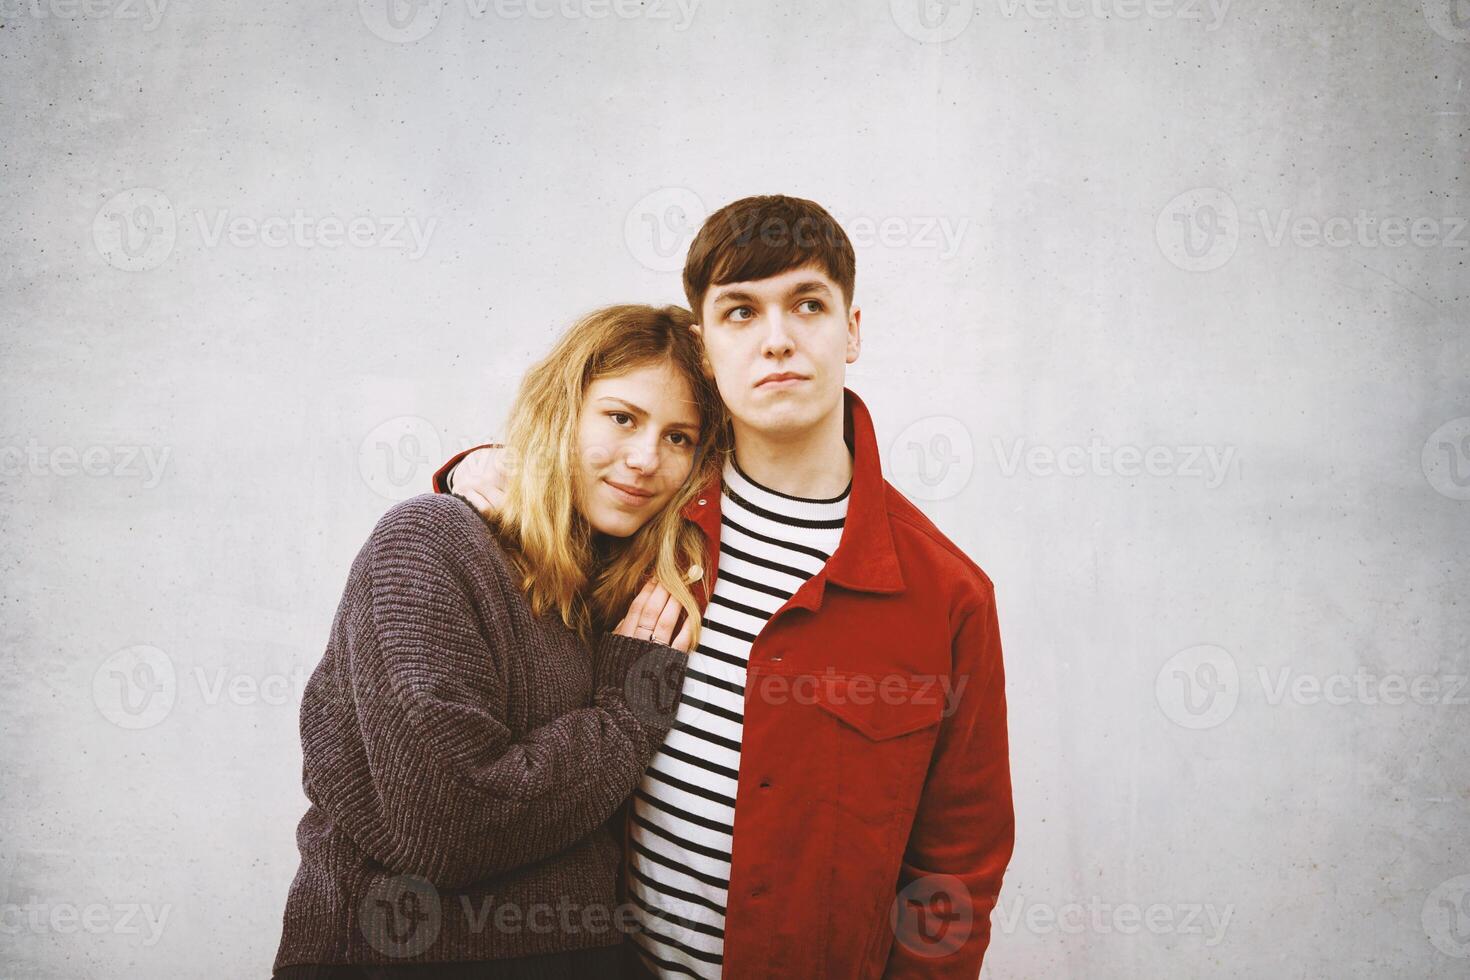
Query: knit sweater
(463, 759)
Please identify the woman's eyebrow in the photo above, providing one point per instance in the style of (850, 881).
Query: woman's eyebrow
(635, 410)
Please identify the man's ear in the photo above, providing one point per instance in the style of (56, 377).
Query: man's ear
(854, 334)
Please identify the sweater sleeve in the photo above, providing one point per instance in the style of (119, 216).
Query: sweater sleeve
(447, 793)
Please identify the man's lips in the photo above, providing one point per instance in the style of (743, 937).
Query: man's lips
(784, 378)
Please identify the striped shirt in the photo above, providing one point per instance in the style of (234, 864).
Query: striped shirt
(684, 807)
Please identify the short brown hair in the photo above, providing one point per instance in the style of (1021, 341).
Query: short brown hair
(759, 237)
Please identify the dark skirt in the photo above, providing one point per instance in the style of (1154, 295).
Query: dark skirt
(594, 964)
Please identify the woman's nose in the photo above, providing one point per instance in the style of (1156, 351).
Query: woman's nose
(641, 456)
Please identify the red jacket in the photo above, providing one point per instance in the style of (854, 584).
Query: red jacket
(873, 816)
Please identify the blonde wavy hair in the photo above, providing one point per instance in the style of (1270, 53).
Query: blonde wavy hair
(540, 523)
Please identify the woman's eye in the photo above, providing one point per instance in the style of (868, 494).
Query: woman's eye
(618, 417)
(681, 439)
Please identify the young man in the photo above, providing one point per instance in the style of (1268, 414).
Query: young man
(834, 799)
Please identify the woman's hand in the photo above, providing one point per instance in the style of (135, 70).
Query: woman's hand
(653, 615)
(480, 479)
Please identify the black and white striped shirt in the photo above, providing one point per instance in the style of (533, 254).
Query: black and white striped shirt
(684, 808)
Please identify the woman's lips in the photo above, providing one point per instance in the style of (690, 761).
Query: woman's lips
(627, 496)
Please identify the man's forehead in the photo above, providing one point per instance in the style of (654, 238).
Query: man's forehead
(801, 277)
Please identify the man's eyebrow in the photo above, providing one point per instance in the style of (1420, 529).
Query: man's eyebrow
(734, 296)
(741, 296)
(635, 410)
(810, 286)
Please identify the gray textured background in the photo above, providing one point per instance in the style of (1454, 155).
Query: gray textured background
(1090, 241)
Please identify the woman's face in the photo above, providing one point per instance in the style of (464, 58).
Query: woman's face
(636, 440)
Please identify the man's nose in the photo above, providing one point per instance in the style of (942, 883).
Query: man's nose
(777, 341)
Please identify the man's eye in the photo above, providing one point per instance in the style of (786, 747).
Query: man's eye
(740, 313)
(816, 305)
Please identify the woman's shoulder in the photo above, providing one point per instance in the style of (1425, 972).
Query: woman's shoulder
(435, 526)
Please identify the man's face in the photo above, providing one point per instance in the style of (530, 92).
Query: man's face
(779, 348)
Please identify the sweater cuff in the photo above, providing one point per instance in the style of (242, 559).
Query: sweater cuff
(649, 674)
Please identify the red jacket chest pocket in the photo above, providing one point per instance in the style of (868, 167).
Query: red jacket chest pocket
(879, 735)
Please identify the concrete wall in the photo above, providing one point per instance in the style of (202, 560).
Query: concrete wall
(1165, 318)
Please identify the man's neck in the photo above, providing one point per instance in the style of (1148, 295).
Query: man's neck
(817, 466)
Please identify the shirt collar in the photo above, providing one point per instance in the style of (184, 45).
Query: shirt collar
(865, 559)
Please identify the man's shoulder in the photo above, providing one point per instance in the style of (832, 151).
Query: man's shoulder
(916, 536)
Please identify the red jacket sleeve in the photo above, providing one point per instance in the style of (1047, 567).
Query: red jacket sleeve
(441, 475)
(965, 827)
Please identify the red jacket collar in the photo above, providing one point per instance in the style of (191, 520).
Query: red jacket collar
(865, 560)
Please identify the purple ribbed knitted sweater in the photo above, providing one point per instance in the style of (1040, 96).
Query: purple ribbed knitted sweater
(463, 759)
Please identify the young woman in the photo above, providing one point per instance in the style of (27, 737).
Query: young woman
(493, 690)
